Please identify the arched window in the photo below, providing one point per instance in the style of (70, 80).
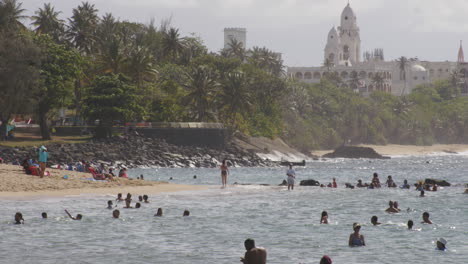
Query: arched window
(307, 75)
(317, 75)
(299, 75)
(362, 74)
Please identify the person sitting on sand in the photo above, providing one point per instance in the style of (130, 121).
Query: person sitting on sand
(405, 185)
(142, 177)
(77, 217)
(375, 180)
(159, 212)
(395, 205)
(441, 244)
(186, 213)
(145, 198)
(410, 224)
(391, 208)
(253, 255)
(119, 197)
(44, 215)
(109, 204)
(375, 220)
(426, 220)
(111, 172)
(324, 218)
(116, 213)
(356, 239)
(325, 260)
(19, 218)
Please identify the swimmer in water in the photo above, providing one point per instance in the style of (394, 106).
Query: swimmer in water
(375, 180)
(44, 215)
(356, 239)
(375, 220)
(137, 205)
(334, 183)
(119, 198)
(253, 255)
(410, 224)
(405, 185)
(160, 212)
(325, 260)
(324, 218)
(145, 198)
(434, 187)
(422, 194)
(441, 244)
(395, 205)
(128, 200)
(186, 213)
(19, 220)
(116, 213)
(391, 208)
(425, 217)
(77, 217)
(109, 204)
(140, 198)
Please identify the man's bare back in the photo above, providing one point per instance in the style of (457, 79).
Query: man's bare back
(255, 256)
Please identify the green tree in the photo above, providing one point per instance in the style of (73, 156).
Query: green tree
(11, 15)
(201, 85)
(82, 27)
(47, 21)
(173, 44)
(378, 81)
(235, 96)
(403, 63)
(19, 75)
(59, 68)
(235, 49)
(112, 98)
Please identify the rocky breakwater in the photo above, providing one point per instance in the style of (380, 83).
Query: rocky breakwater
(138, 152)
(353, 152)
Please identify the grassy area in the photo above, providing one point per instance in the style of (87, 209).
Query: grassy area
(30, 140)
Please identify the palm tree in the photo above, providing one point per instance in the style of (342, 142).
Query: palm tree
(109, 46)
(378, 80)
(235, 49)
(10, 15)
(200, 84)
(82, 28)
(140, 64)
(235, 95)
(354, 80)
(403, 63)
(46, 21)
(172, 43)
(267, 60)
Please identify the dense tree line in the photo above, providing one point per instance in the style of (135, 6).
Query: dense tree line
(106, 69)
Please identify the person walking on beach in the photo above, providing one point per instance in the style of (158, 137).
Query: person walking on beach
(43, 155)
(356, 239)
(291, 177)
(253, 255)
(224, 173)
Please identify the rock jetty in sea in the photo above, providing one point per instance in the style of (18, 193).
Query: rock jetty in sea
(353, 152)
(438, 182)
(309, 183)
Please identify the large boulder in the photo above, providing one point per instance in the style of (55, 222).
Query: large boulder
(309, 183)
(438, 182)
(354, 152)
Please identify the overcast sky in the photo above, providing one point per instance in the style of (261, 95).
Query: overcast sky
(427, 29)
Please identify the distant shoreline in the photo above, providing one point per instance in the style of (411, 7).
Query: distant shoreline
(408, 150)
(15, 184)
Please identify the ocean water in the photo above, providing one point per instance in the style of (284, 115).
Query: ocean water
(286, 223)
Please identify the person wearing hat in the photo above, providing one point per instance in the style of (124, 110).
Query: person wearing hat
(356, 239)
(441, 244)
(43, 155)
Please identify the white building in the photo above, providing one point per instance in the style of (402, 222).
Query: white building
(343, 50)
(238, 34)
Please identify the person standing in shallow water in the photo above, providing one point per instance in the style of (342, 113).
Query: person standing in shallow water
(291, 177)
(253, 255)
(356, 239)
(224, 173)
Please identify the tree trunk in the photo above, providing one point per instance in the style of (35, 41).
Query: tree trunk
(3, 129)
(45, 132)
(77, 101)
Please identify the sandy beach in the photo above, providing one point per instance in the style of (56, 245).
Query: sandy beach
(408, 150)
(16, 184)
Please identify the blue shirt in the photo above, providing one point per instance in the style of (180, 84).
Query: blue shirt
(43, 155)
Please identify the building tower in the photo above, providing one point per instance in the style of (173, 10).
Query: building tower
(349, 36)
(461, 57)
(333, 47)
(238, 34)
